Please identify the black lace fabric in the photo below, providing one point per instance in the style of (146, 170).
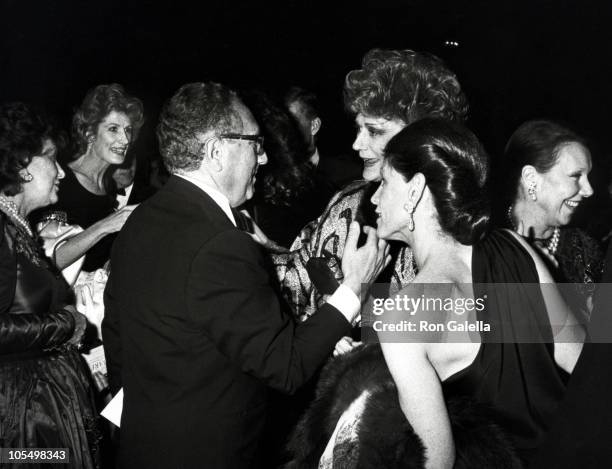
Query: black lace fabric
(580, 261)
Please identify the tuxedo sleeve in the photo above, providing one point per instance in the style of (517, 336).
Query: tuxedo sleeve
(230, 297)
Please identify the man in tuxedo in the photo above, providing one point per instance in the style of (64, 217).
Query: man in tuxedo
(193, 329)
(130, 189)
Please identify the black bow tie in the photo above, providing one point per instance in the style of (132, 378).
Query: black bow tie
(120, 191)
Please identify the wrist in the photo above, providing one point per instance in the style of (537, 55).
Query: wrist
(80, 324)
(99, 230)
(354, 283)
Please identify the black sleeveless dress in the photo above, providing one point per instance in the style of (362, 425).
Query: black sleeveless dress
(84, 208)
(45, 396)
(513, 385)
(521, 382)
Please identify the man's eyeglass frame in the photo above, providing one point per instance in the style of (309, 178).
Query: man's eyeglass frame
(257, 139)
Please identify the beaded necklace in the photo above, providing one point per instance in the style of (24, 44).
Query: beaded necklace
(9, 207)
(551, 244)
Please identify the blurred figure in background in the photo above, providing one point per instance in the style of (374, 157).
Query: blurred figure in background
(288, 194)
(332, 172)
(304, 107)
(131, 187)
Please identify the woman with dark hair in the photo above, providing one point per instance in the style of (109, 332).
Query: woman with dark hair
(433, 197)
(392, 89)
(286, 197)
(103, 128)
(45, 395)
(546, 172)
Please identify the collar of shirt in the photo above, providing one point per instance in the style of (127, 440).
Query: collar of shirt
(214, 194)
(122, 199)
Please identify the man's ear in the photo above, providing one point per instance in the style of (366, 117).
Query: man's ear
(214, 154)
(315, 125)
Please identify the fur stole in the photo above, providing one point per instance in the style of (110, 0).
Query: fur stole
(386, 439)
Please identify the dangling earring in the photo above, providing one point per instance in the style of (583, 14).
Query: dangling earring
(27, 177)
(409, 207)
(531, 190)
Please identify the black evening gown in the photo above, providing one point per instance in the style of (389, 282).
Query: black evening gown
(580, 435)
(520, 381)
(45, 396)
(84, 208)
(500, 406)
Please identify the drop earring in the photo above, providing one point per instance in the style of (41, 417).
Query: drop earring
(409, 207)
(531, 190)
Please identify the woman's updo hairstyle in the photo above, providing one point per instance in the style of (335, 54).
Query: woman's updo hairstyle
(99, 103)
(536, 143)
(456, 169)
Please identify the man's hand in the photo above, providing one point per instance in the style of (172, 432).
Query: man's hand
(363, 265)
(346, 345)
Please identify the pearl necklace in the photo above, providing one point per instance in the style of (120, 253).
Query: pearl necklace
(553, 242)
(9, 207)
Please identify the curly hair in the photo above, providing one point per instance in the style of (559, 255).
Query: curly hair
(456, 168)
(99, 102)
(404, 85)
(288, 175)
(194, 108)
(22, 134)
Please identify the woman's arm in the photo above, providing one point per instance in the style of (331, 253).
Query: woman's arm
(422, 401)
(30, 331)
(78, 245)
(23, 332)
(568, 333)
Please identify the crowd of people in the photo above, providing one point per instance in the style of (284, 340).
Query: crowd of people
(251, 268)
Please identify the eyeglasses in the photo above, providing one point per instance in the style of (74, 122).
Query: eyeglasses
(258, 140)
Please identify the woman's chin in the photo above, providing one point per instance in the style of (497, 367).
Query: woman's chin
(53, 198)
(371, 174)
(383, 233)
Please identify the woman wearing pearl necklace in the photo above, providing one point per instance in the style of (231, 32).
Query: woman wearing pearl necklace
(546, 168)
(47, 401)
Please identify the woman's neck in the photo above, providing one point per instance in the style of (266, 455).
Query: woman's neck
(528, 221)
(91, 167)
(19, 202)
(434, 249)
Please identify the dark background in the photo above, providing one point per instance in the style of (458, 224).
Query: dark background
(516, 59)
